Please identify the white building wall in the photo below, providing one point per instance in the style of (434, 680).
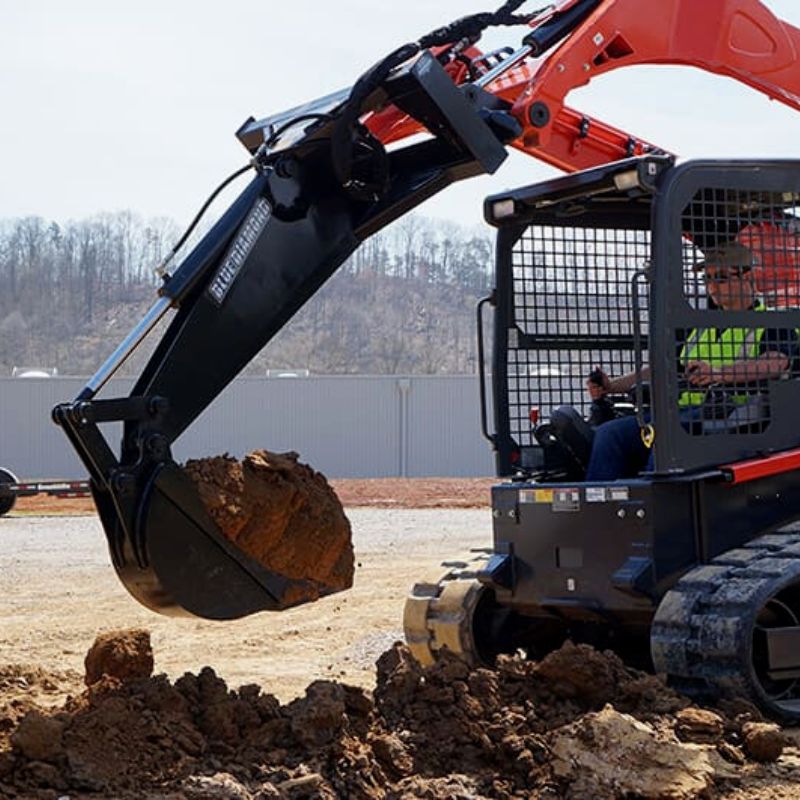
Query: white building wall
(345, 426)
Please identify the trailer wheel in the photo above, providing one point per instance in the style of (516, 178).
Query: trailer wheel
(7, 498)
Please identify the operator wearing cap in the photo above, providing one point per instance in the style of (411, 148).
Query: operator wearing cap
(719, 357)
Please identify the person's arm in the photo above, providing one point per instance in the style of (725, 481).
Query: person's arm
(768, 365)
(624, 383)
(778, 354)
(620, 385)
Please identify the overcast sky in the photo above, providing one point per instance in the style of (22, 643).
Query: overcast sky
(109, 105)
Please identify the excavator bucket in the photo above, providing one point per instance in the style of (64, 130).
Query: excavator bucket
(192, 566)
(305, 211)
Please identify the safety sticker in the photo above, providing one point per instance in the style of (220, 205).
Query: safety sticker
(566, 499)
(244, 242)
(536, 496)
(619, 493)
(596, 494)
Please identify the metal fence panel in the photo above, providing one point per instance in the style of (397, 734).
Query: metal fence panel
(345, 426)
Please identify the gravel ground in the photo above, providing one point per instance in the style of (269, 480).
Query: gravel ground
(58, 591)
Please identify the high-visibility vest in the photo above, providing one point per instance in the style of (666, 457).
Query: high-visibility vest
(720, 349)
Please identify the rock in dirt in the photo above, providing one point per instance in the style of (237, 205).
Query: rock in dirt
(124, 655)
(699, 725)
(281, 513)
(393, 755)
(763, 741)
(318, 717)
(25, 688)
(39, 737)
(579, 673)
(731, 753)
(214, 787)
(610, 755)
(582, 673)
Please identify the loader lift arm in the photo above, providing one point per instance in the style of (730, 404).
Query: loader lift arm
(738, 39)
(323, 183)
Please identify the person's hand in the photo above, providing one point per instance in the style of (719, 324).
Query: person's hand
(700, 373)
(599, 384)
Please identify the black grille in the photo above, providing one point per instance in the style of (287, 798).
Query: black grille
(572, 313)
(740, 254)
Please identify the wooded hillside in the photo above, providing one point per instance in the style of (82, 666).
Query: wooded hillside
(404, 303)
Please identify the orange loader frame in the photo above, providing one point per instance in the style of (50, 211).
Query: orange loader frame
(739, 39)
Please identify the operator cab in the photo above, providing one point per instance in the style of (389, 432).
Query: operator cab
(604, 269)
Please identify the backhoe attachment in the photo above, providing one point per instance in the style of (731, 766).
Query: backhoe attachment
(321, 186)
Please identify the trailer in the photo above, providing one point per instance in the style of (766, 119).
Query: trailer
(11, 488)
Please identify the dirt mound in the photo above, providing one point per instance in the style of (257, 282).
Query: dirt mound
(283, 514)
(24, 688)
(124, 655)
(522, 730)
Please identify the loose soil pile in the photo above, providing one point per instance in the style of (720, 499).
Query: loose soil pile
(579, 724)
(281, 513)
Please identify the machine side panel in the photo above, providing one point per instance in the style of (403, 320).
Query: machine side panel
(568, 541)
(735, 513)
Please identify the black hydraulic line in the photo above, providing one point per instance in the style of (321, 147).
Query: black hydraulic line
(202, 256)
(472, 26)
(162, 267)
(467, 28)
(550, 33)
(281, 129)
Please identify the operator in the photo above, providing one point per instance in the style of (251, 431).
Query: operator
(733, 356)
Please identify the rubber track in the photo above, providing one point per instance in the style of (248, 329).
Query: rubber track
(701, 635)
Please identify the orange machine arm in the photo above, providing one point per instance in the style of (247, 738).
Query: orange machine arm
(740, 39)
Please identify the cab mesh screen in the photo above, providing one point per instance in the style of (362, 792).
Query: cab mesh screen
(572, 314)
(740, 254)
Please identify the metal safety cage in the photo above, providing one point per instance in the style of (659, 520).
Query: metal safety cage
(727, 309)
(571, 259)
